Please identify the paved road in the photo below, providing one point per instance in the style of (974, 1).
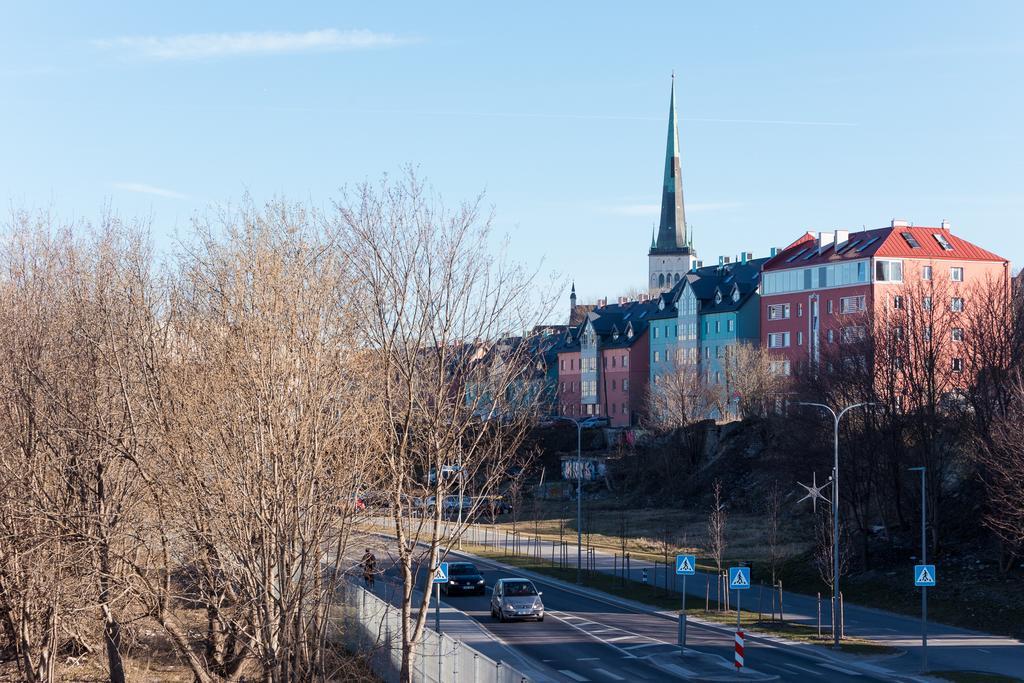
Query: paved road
(588, 638)
(949, 648)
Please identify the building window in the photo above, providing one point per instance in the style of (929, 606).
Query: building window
(612, 411)
(831, 337)
(956, 274)
(707, 327)
(707, 352)
(613, 383)
(829, 306)
(779, 367)
(655, 330)
(625, 385)
(888, 271)
(718, 326)
(778, 340)
(778, 311)
(926, 303)
(897, 301)
(561, 364)
(958, 365)
(718, 352)
(852, 333)
(897, 332)
(729, 325)
(657, 356)
(613, 361)
(799, 310)
(958, 334)
(926, 272)
(956, 304)
(926, 333)
(851, 304)
(563, 387)
(625, 364)
(799, 338)
(624, 411)
(718, 377)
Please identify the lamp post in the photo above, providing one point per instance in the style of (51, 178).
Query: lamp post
(924, 560)
(835, 511)
(579, 498)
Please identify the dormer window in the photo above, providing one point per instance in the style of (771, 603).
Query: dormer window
(718, 297)
(661, 305)
(629, 332)
(736, 295)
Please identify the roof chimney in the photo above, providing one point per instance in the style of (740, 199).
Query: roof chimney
(775, 251)
(901, 223)
(945, 224)
(824, 241)
(841, 236)
(623, 299)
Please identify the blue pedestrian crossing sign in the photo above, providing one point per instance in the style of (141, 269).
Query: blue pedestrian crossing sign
(739, 578)
(441, 573)
(686, 565)
(924, 575)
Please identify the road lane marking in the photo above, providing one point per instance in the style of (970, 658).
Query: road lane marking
(573, 675)
(840, 669)
(618, 649)
(800, 668)
(679, 671)
(618, 638)
(637, 647)
(609, 674)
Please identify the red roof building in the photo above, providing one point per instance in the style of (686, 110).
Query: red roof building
(812, 290)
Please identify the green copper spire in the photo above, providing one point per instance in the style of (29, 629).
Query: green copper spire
(672, 230)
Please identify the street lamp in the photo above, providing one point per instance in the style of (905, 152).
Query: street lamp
(924, 589)
(835, 512)
(579, 497)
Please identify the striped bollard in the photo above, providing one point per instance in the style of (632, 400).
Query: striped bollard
(739, 650)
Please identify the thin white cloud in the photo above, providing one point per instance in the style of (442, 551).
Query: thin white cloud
(655, 209)
(191, 46)
(143, 188)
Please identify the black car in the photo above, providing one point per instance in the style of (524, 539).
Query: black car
(463, 578)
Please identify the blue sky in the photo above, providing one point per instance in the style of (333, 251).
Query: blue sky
(794, 116)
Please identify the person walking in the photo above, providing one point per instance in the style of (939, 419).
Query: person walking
(369, 568)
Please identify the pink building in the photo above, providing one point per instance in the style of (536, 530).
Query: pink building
(603, 364)
(569, 377)
(814, 289)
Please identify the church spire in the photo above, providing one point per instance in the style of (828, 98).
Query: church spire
(672, 229)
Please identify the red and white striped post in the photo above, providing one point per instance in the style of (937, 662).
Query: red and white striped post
(739, 649)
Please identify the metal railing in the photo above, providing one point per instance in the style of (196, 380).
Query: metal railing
(373, 627)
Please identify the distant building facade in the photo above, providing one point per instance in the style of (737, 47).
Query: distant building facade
(817, 290)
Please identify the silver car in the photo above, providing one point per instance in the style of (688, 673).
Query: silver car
(516, 599)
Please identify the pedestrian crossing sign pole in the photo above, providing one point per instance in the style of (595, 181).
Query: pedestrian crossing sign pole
(739, 581)
(924, 578)
(686, 565)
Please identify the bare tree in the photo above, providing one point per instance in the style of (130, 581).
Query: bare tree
(772, 507)
(717, 518)
(441, 320)
(679, 398)
(1003, 476)
(754, 379)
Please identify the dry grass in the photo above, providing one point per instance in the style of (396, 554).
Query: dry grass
(647, 529)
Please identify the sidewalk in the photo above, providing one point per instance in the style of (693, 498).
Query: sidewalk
(949, 648)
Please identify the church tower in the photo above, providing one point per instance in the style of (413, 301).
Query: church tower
(672, 254)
